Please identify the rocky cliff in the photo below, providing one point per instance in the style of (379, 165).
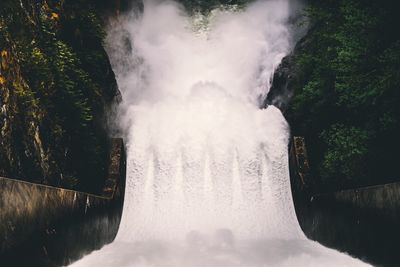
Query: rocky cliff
(342, 80)
(56, 84)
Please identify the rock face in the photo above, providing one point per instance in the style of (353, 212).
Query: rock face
(281, 90)
(56, 84)
(286, 79)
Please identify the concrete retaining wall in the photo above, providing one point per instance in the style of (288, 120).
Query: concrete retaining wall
(381, 200)
(47, 226)
(354, 224)
(362, 222)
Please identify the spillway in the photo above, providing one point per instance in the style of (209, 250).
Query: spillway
(207, 175)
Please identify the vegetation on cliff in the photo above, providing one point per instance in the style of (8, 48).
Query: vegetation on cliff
(345, 75)
(55, 85)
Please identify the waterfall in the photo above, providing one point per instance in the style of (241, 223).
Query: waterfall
(201, 154)
(207, 175)
(202, 165)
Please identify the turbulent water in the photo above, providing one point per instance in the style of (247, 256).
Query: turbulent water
(208, 180)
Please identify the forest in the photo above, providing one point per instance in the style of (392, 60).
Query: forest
(56, 86)
(345, 79)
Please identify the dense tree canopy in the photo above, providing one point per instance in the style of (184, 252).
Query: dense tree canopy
(55, 85)
(347, 99)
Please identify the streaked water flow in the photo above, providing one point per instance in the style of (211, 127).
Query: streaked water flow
(208, 179)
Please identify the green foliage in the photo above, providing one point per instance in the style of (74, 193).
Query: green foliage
(346, 102)
(62, 83)
(347, 148)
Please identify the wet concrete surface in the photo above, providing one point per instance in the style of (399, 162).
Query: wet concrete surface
(47, 226)
(363, 231)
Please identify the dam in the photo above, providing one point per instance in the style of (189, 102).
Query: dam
(207, 169)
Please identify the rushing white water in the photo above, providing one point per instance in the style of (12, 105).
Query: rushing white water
(208, 180)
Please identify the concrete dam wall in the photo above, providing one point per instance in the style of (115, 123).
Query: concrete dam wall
(49, 226)
(362, 222)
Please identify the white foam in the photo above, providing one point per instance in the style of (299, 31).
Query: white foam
(208, 179)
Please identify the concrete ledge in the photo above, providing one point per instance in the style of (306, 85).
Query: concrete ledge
(48, 226)
(363, 232)
(362, 222)
(380, 200)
